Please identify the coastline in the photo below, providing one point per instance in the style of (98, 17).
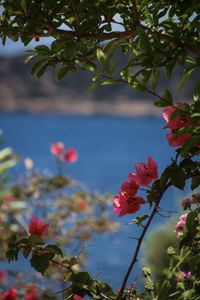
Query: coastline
(83, 107)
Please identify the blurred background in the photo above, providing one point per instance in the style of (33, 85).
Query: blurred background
(112, 129)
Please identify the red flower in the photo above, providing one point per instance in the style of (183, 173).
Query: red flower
(9, 198)
(167, 112)
(128, 189)
(177, 123)
(31, 295)
(57, 148)
(11, 294)
(175, 140)
(77, 297)
(146, 173)
(71, 155)
(37, 38)
(123, 206)
(2, 275)
(36, 226)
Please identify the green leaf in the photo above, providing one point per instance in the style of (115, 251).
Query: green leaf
(185, 77)
(194, 141)
(191, 221)
(101, 56)
(28, 58)
(88, 66)
(62, 72)
(196, 92)
(42, 49)
(138, 220)
(145, 40)
(166, 100)
(54, 249)
(165, 177)
(104, 59)
(177, 177)
(40, 262)
(168, 97)
(195, 182)
(37, 65)
(81, 277)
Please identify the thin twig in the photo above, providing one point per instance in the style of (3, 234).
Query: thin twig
(139, 243)
(137, 249)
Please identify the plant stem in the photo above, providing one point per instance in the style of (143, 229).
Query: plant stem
(137, 249)
(139, 243)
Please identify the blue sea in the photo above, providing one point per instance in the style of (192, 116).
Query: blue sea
(108, 148)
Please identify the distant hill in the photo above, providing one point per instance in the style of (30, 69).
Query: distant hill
(19, 91)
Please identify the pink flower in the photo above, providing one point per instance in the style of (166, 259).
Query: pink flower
(178, 122)
(36, 226)
(71, 155)
(175, 140)
(128, 189)
(31, 295)
(146, 173)
(123, 206)
(186, 275)
(181, 225)
(11, 294)
(2, 275)
(9, 198)
(57, 148)
(77, 297)
(167, 112)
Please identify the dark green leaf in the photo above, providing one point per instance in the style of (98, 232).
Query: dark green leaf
(195, 182)
(177, 177)
(62, 72)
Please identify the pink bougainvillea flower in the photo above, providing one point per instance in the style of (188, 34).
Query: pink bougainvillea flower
(146, 173)
(167, 112)
(9, 198)
(31, 295)
(175, 140)
(57, 149)
(71, 155)
(128, 189)
(186, 275)
(181, 225)
(131, 176)
(77, 297)
(11, 294)
(178, 122)
(36, 226)
(2, 275)
(123, 206)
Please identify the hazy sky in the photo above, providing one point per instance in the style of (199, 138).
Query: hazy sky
(17, 47)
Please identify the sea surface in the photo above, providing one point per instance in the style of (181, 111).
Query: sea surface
(108, 148)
